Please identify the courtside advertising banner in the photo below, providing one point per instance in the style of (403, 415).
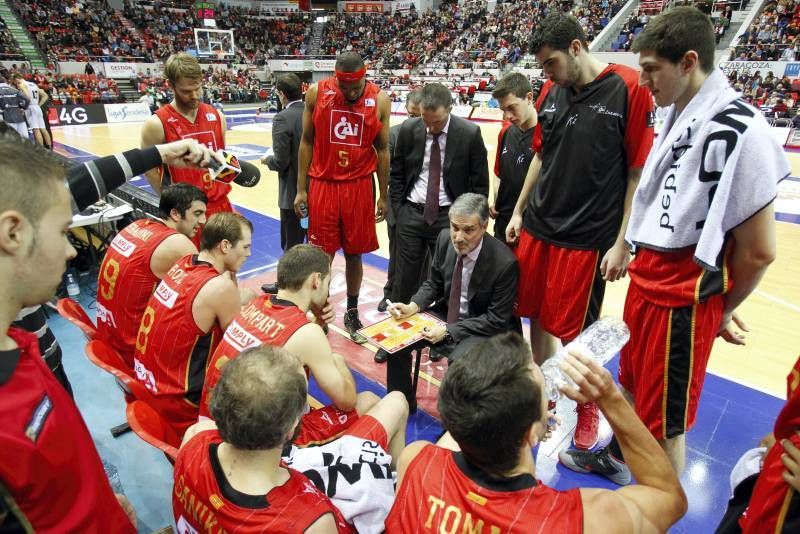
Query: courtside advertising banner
(133, 112)
(119, 70)
(76, 115)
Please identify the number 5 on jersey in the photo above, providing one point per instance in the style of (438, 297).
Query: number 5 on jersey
(344, 158)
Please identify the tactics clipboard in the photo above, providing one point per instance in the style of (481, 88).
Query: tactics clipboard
(393, 334)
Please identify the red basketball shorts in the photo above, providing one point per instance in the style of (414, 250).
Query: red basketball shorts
(214, 206)
(341, 215)
(562, 288)
(664, 363)
(323, 425)
(369, 428)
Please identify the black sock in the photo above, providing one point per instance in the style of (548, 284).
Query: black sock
(615, 450)
(352, 302)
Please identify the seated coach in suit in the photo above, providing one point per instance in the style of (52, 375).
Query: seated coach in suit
(472, 285)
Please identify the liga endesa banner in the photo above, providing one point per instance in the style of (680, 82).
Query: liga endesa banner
(132, 112)
(76, 115)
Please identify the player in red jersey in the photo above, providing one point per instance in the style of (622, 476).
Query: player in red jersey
(345, 140)
(186, 315)
(51, 476)
(233, 478)
(186, 116)
(138, 257)
(704, 234)
(594, 132)
(765, 483)
(281, 320)
(483, 473)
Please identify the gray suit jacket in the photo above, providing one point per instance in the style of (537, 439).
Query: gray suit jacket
(287, 128)
(465, 168)
(492, 287)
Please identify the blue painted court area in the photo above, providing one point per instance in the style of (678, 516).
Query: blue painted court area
(732, 418)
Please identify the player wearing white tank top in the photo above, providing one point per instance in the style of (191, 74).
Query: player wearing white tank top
(33, 114)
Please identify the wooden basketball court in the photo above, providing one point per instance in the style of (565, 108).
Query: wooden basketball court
(772, 312)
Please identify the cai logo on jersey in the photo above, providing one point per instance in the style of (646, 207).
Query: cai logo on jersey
(123, 246)
(346, 127)
(239, 338)
(166, 295)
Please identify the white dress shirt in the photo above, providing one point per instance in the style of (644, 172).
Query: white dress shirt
(467, 267)
(419, 193)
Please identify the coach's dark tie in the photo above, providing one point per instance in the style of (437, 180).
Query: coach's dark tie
(454, 302)
(431, 212)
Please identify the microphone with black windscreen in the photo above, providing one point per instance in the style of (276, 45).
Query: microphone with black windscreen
(231, 169)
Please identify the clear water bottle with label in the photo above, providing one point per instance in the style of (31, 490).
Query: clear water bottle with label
(600, 341)
(304, 219)
(73, 289)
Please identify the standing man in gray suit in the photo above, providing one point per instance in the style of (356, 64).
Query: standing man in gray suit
(437, 158)
(287, 128)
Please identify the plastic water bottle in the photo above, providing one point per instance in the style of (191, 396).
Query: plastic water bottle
(113, 477)
(73, 289)
(600, 341)
(304, 213)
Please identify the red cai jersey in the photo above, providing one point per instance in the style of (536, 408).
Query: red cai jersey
(673, 279)
(441, 492)
(171, 350)
(204, 501)
(774, 505)
(578, 202)
(126, 283)
(344, 133)
(52, 476)
(265, 320)
(207, 129)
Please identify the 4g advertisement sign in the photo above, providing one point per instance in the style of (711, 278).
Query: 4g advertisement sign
(77, 115)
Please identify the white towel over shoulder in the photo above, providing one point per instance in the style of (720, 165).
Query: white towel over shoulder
(712, 167)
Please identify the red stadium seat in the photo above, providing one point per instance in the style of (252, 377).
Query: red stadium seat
(106, 358)
(151, 427)
(74, 313)
(103, 356)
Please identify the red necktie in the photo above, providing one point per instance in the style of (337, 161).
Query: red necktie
(431, 212)
(454, 302)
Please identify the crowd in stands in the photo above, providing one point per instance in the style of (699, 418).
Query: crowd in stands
(80, 29)
(773, 34)
(9, 49)
(260, 38)
(257, 38)
(232, 85)
(640, 17)
(71, 89)
(777, 97)
(456, 35)
(84, 89)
